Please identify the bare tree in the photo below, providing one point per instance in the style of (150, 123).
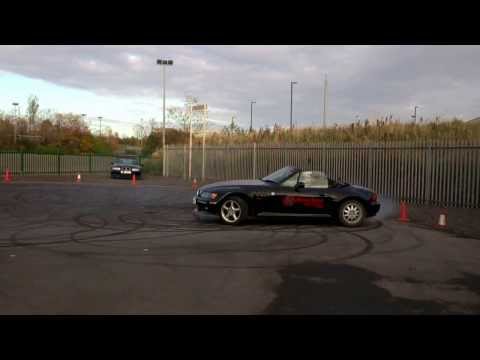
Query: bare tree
(32, 110)
(140, 130)
(181, 116)
(232, 128)
(152, 126)
(178, 116)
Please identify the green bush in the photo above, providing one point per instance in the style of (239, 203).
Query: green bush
(152, 166)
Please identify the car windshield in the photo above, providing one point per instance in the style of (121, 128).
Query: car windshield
(280, 175)
(127, 161)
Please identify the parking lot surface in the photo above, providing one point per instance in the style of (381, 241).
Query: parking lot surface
(108, 247)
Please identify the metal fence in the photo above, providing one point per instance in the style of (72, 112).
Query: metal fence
(25, 163)
(438, 173)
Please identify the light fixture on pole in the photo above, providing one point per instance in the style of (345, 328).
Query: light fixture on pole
(291, 103)
(251, 114)
(84, 117)
(164, 63)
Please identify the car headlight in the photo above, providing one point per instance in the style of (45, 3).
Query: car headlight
(209, 195)
(136, 170)
(115, 168)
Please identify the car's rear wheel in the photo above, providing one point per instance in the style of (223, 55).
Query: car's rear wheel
(351, 213)
(233, 210)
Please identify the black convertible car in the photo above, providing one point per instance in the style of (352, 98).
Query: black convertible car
(288, 190)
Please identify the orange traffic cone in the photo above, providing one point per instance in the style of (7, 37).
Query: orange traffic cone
(79, 178)
(442, 219)
(134, 180)
(194, 184)
(403, 212)
(8, 177)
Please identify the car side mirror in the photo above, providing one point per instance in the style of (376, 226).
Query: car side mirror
(299, 185)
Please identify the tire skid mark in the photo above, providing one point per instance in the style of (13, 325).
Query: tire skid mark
(102, 226)
(369, 246)
(365, 250)
(418, 244)
(241, 250)
(78, 220)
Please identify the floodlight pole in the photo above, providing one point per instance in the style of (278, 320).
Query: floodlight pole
(251, 114)
(163, 63)
(15, 106)
(190, 111)
(164, 150)
(414, 116)
(291, 103)
(84, 116)
(205, 114)
(100, 119)
(325, 103)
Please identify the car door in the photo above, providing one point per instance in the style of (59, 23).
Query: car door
(276, 200)
(314, 197)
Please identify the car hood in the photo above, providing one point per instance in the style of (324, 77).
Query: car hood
(233, 184)
(123, 165)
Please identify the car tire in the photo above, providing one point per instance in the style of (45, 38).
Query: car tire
(351, 213)
(233, 210)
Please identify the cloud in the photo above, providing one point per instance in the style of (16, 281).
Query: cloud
(366, 80)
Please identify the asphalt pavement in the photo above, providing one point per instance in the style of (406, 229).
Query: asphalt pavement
(107, 247)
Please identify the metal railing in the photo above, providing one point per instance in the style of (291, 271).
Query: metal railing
(441, 173)
(27, 163)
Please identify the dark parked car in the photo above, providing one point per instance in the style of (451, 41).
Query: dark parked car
(126, 167)
(288, 190)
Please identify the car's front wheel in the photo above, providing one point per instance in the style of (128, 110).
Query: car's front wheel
(351, 213)
(233, 210)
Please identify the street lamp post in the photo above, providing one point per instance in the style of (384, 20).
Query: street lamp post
(291, 103)
(325, 102)
(414, 116)
(100, 118)
(15, 106)
(251, 114)
(164, 63)
(84, 116)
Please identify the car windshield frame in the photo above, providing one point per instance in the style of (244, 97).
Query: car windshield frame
(281, 175)
(127, 161)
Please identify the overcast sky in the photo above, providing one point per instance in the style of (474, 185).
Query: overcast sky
(123, 83)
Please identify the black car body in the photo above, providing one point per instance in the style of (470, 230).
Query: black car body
(126, 167)
(288, 190)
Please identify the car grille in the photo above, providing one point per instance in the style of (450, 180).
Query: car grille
(126, 168)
